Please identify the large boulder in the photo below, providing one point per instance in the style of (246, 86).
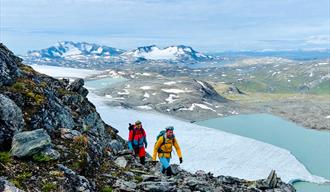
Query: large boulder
(11, 121)
(8, 66)
(28, 143)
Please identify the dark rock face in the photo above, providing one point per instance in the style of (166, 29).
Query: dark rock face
(11, 121)
(53, 116)
(208, 91)
(77, 86)
(8, 66)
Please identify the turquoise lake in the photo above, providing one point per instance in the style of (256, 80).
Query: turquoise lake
(311, 147)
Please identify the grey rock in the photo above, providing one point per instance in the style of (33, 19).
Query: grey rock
(129, 174)
(8, 66)
(125, 185)
(51, 153)
(78, 182)
(77, 86)
(156, 186)
(150, 178)
(125, 152)
(54, 116)
(272, 179)
(193, 182)
(121, 162)
(29, 143)
(11, 121)
(94, 124)
(69, 133)
(6, 186)
(115, 146)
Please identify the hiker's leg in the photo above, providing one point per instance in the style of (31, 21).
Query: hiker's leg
(143, 160)
(136, 152)
(169, 171)
(165, 163)
(142, 155)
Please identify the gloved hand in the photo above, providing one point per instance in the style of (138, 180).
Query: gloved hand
(180, 160)
(145, 144)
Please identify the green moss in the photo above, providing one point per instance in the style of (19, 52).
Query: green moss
(5, 157)
(63, 91)
(138, 178)
(27, 69)
(76, 165)
(19, 86)
(46, 187)
(38, 98)
(106, 189)
(41, 157)
(19, 180)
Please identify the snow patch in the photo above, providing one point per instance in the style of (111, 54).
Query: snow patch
(146, 95)
(171, 98)
(126, 92)
(145, 107)
(175, 90)
(170, 83)
(145, 87)
(192, 107)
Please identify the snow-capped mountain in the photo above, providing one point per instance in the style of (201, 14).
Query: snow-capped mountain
(75, 50)
(94, 56)
(180, 52)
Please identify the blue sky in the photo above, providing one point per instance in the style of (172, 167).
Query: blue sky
(206, 25)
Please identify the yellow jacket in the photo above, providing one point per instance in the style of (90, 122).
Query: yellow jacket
(164, 149)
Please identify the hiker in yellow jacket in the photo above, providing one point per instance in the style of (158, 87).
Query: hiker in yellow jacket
(165, 142)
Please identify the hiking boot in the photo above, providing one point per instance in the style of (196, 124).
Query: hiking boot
(169, 171)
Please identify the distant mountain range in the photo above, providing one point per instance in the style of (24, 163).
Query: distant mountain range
(81, 50)
(94, 56)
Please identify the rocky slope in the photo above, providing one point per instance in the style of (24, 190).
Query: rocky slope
(53, 139)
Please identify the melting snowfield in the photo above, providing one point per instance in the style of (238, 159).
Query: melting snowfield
(204, 148)
(63, 71)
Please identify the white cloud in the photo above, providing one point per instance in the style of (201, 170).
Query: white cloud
(318, 39)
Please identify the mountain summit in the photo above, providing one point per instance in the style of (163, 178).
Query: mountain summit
(180, 52)
(72, 50)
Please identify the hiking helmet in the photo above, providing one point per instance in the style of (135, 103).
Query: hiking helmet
(169, 128)
(138, 122)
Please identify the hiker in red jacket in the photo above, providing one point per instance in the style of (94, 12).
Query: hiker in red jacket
(137, 141)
